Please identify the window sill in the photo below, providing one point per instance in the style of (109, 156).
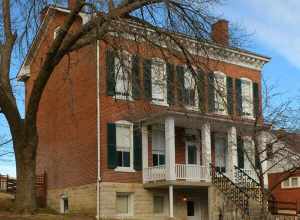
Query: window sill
(153, 102)
(192, 108)
(222, 113)
(124, 98)
(249, 117)
(125, 169)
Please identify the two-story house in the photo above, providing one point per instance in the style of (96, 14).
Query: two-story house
(142, 146)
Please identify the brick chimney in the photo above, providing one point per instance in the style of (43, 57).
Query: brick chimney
(219, 33)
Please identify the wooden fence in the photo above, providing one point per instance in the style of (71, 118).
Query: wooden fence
(9, 185)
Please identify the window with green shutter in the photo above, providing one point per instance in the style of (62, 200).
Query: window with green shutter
(111, 146)
(180, 84)
(238, 87)
(136, 81)
(110, 72)
(256, 100)
(170, 83)
(137, 147)
(229, 85)
(147, 79)
(240, 152)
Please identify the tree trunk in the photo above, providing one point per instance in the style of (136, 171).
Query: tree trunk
(26, 177)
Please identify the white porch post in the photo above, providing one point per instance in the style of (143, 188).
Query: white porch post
(206, 144)
(144, 149)
(171, 202)
(262, 144)
(170, 148)
(232, 152)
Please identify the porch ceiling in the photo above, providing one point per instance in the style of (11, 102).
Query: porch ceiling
(196, 120)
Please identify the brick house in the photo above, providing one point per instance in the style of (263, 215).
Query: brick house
(128, 152)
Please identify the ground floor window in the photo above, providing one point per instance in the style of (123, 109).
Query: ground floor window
(124, 203)
(158, 204)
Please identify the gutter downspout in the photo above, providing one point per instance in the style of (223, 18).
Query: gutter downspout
(98, 129)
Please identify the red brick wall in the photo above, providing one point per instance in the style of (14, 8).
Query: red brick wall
(283, 194)
(67, 114)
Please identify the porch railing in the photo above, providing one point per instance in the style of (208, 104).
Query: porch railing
(251, 173)
(191, 172)
(188, 172)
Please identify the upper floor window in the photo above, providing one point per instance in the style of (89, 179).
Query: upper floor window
(124, 145)
(191, 94)
(291, 182)
(158, 146)
(220, 92)
(158, 81)
(247, 97)
(123, 66)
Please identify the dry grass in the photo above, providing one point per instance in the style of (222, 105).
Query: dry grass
(6, 212)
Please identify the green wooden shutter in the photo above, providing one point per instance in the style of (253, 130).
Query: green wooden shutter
(211, 92)
(180, 84)
(240, 152)
(137, 147)
(239, 107)
(147, 79)
(256, 100)
(110, 73)
(136, 82)
(111, 146)
(201, 90)
(229, 84)
(170, 83)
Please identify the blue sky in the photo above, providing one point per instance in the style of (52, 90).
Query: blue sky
(274, 31)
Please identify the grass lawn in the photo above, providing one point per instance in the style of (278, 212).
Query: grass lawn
(6, 204)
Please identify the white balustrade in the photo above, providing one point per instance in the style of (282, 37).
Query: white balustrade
(188, 172)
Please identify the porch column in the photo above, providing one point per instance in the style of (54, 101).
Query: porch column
(171, 202)
(262, 144)
(145, 148)
(170, 148)
(206, 144)
(232, 152)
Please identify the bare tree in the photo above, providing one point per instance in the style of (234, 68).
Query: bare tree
(105, 22)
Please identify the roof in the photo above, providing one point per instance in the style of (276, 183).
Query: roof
(237, 56)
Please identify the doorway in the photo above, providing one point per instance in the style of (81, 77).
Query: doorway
(193, 210)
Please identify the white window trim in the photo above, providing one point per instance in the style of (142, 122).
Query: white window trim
(165, 101)
(131, 168)
(165, 204)
(251, 116)
(290, 183)
(55, 32)
(131, 205)
(196, 106)
(219, 73)
(119, 96)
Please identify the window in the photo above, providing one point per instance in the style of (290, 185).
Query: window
(124, 145)
(159, 83)
(292, 182)
(123, 65)
(158, 204)
(191, 94)
(56, 31)
(124, 204)
(247, 100)
(158, 146)
(220, 92)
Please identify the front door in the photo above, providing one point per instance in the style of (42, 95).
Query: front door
(220, 153)
(192, 154)
(193, 210)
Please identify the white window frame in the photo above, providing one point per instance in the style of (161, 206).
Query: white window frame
(165, 204)
(124, 55)
(244, 99)
(196, 106)
(162, 150)
(249, 148)
(163, 102)
(217, 94)
(289, 180)
(55, 32)
(131, 168)
(130, 204)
